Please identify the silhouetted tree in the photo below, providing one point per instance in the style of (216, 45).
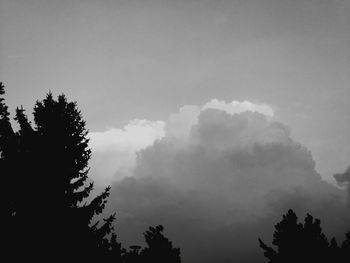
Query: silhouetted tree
(50, 213)
(8, 178)
(297, 242)
(133, 255)
(6, 150)
(345, 247)
(48, 204)
(159, 248)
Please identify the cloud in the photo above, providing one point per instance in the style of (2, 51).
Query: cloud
(114, 150)
(217, 176)
(343, 179)
(179, 125)
(239, 107)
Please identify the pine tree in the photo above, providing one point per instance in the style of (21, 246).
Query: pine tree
(159, 248)
(62, 146)
(345, 248)
(7, 150)
(8, 192)
(51, 209)
(297, 242)
(133, 255)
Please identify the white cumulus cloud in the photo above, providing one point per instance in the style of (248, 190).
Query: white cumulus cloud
(219, 179)
(115, 149)
(239, 107)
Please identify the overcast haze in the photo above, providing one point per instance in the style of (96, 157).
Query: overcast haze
(160, 80)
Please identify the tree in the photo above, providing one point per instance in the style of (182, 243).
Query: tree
(297, 242)
(345, 247)
(6, 149)
(47, 200)
(159, 248)
(46, 166)
(8, 192)
(133, 255)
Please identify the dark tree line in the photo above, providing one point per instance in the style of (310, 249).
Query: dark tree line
(304, 242)
(46, 195)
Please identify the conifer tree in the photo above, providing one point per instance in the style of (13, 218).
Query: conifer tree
(50, 209)
(297, 242)
(345, 247)
(8, 173)
(159, 248)
(7, 150)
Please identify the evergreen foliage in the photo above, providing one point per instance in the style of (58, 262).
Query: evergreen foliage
(159, 248)
(297, 242)
(49, 211)
(49, 206)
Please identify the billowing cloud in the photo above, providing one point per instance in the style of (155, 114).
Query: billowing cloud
(114, 150)
(343, 179)
(239, 107)
(136, 135)
(218, 177)
(179, 125)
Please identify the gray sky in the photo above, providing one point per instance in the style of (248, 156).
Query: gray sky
(164, 86)
(123, 60)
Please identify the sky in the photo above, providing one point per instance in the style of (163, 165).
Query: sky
(157, 80)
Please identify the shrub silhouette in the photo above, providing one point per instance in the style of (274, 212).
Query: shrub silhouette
(297, 242)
